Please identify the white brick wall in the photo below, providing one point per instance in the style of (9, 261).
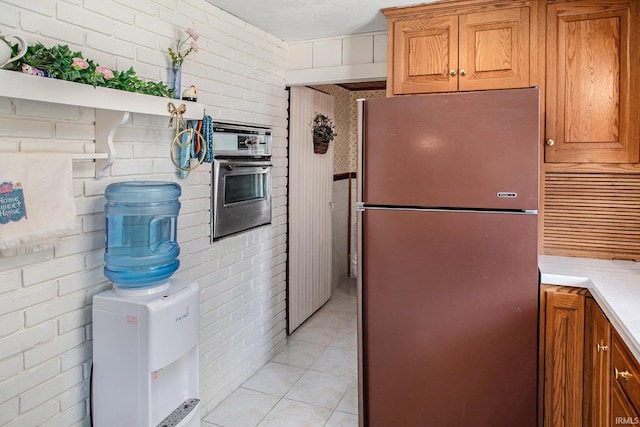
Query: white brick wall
(45, 297)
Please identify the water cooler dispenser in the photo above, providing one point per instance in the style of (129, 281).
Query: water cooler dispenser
(146, 328)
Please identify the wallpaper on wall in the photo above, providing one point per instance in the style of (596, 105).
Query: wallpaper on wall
(346, 142)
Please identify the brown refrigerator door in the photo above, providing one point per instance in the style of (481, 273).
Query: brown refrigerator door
(453, 150)
(450, 315)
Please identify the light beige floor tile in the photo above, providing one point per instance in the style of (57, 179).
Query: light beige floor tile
(314, 372)
(299, 353)
(341, 305)
(319, 388)
(337, 361)
(274, 378)
(330, 319)
(289, 413)
(347, 338)
(349, 402)
(244, 408)
(316, 334)
(342, 419)
(343, 299)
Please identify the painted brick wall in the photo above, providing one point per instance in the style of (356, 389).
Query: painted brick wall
(45, 297)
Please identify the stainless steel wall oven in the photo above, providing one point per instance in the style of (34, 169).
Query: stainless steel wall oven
(241, 179)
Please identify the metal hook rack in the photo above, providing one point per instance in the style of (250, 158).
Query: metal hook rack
(177, 114)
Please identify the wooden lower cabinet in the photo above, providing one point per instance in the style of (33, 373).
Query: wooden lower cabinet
(563, 356)
(590, 378)
(623, 411)
(625, 402)
(597, 367)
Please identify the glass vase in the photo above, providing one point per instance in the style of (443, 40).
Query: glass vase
(175, 79)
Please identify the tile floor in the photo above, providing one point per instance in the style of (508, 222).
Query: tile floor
(311, 382)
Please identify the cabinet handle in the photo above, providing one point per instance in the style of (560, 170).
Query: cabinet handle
(551, 143)
(600, 348)
(463, 72)
(452, 72)
(625, 375)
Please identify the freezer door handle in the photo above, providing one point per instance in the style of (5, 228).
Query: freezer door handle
(360, 151)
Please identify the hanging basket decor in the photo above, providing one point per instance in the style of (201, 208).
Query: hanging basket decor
(323, 133)
(320, 145)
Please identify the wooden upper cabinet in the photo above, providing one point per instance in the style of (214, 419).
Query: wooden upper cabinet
(494, 49)
(433, 49)
(426, 50)
(591, 104)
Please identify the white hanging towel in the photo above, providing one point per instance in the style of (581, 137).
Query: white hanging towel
(36, 201)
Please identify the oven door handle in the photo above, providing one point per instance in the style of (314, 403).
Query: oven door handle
(231, 166)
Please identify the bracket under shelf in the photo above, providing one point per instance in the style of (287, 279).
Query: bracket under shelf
(107, 123)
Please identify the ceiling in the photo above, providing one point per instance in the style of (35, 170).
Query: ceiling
(296, 20)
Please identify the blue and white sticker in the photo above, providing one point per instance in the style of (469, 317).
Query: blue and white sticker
(12, 206)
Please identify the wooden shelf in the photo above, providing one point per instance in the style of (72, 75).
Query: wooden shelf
(113, 107)
(23, 86)
(89, 156)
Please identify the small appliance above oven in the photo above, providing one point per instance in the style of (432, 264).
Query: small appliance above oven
(241, 179)
(233, 140)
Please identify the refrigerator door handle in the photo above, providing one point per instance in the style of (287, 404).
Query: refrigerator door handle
(359, 258)
(360, 150)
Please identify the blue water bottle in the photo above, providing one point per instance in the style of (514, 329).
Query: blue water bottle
(141, 233)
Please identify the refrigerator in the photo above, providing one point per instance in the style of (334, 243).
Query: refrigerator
(447, 207)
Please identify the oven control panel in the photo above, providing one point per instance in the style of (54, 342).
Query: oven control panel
(241, 140)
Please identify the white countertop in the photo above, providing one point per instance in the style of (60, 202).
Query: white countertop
(615, 285)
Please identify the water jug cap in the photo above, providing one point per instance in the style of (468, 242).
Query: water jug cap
(143, 191)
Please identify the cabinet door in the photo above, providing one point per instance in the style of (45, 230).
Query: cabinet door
(494, 49)
(597, 367)
(425, 55)
(622, 411)
(591, 114)
(625, 384)
(564, 359)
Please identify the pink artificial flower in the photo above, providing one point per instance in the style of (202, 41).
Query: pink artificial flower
(194, 46)
(193, 33)
(106, 72)
(79, 64)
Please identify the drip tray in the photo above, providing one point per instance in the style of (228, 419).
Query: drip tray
(179, 414)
